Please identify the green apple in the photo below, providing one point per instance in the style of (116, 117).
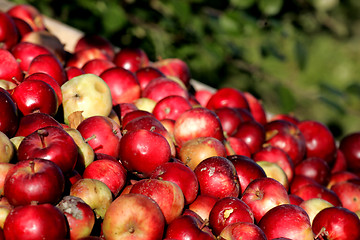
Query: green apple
(87, 93)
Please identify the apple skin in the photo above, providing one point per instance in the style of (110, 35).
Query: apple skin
(187, 227)
(73, 72)
(181, 175)
(9, 35)
(22, 27)
(110, 172)
(319, 140)
(336, 223)
(35, 180)
(315, 168)
(263, 194)
(51, 143)
(294, 224)
(196, 150)
(171, 107)
(133, 216)
(146, 74)
(273, 170)
(242, 230)
(88, 41)
(129, 116)
(162, 87)
(103, 134)
(230, 119)
(350, 146)
(9, 68)
(236, 146)
(97, 66)
(340, 163)
(131, 59)
(197, 122)
(202, 96)
(229, 210)
(42, 221)
(79, 58)
(341, 177)
(28, 13)
(227, 97)
(349, 194)
(9, 120)
(142, 151)
(252, 133)
(314, 206)
(256, 107)
(4, 169)
(247, 170)
(202, 205)
(79, 215)
(217, 177)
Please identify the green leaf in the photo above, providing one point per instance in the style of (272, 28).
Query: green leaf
(286, 99)
(242, 3)
(332, 104)
(113, 18)
(300, 54)
(270, 7)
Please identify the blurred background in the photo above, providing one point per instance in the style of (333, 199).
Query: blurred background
(300, 57)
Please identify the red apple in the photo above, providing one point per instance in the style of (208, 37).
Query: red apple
(174, 67)
(9, 120)
(28, 13)
(123, 85)
(35, 96)
(197, 122)
(9, 67)
(171, 107)
(132, 115)
(203, 96)
(142, 151)
(168, 195)
(181, 175)
(202, 205)
(79, 216)
(340, 163)
(50, 143)
(287, 220)
(300, 181)
(131, 59)
(296, 200)
(319, 140)
(252, 133)
(236, 146)
(350, 146)
(263, 194)
(35, 221)
(247, 170)
(110, 172)
(315, 168)
(9, 35)
(341, 176)
(256, 108)
(314, 206)
(95, 41)
(227, 97)
(336, 223)
(242, 230)
(230, 119)
(79, 58)
(229, 210)
(102, 133)
(97, 66)
(22, 27)
(35, 180)
(162, 87)
(196, 150)
(349, 195)
(73, 71)
(133, 216)
(146, 74)
(288, 117)
(217, 177)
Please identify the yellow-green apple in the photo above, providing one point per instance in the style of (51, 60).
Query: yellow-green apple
(314, 206)
(7, 150)
(196, 150)
(263, 194)
(273, 170)
(94, 193)
(242, 230)
(7, 85)
(168, 195)
(47, 222)
(287, 220)
(87, 93)
(79, 215)
(133, 216)
(145, 74)
(5, 209)
(145, 104)
(229, 210)
(16, 141)
(102, 133)
(51, 143)
(35, 180)
(4, 169)
(217, 177)
(131, 59)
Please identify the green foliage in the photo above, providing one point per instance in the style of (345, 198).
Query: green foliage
(299, 56)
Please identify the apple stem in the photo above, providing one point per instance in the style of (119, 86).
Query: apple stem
(90, 138)
(42, 134)
(17, 82)
(32, 166)
(322, 233)
(204, 224)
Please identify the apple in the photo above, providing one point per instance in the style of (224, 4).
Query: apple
(5, 209)
(236, 146)
(34, 180)
(97, 66)
(187, 227)
(79, 58)
(145, 74)
(95, 41)
(168, 195)
(313, 206)
(162, 87)
(73, 71)
(9, 67)
(228, 97)
(196, 150)
(181, 175)
(273, 170)
(4, 169)
(142, 151)
(95, 193)
(123, 85)
(319, 140)
(28, 13)
(341, 176)
(197, 122)
(256, 108)
(129, 116)
(102, 133)
(247, 170)
(287, 220)
(79, 215)
(134, 216)
(229, 210)
(171, 107)
(145, 104)
(34, 121)
(7, 149)
(22, 27)
(350, 147)
(340, 163)
(202, 96)
(35, 96)
(349, 194)
(9, 120)
(284, 116)
(230, 119)
(296, 200)
(35, 221)
(242, 230)
(25, 52)
(336, 223)
(252, 133)
(131, 59)
(315, 168)
(110, 172)
(9, 34)
(263, 194)
(217, 177)
(300, 181)
(87, 93)
(202, 205)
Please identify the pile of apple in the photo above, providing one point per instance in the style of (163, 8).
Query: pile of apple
(102, 143)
